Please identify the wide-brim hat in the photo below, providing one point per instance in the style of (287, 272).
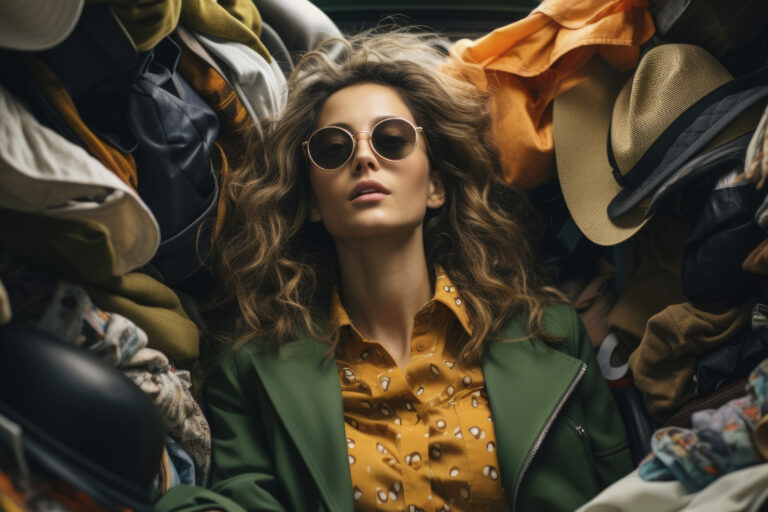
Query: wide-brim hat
(33, 25)
(617, 141)
(43, 173)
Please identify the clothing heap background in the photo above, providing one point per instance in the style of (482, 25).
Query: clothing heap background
(115, 146)
(128, 129)
(639, 132)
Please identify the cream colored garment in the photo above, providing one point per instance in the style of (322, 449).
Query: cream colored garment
(45, 174)
(741, 491)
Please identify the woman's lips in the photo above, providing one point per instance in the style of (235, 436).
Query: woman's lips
(369, 197)
(368, 190)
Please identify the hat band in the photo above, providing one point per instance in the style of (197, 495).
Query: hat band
(654, 156)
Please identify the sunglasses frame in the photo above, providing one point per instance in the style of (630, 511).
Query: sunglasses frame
(417, 130)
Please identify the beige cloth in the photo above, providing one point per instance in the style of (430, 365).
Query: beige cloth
(151, 371)
(664, 363)
(740, 491)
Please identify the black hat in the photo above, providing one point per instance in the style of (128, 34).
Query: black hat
(82, 420)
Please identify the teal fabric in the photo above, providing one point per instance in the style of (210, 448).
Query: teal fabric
(279, 439)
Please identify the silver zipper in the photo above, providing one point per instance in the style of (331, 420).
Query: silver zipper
(547, 426)
(580, 430)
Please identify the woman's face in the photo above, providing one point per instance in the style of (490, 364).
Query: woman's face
(371, 196)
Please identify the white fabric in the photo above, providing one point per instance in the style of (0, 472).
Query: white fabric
(756, 144)
(756, 152)
(741, 491)
(37, 24)
(43, 173)
(259, 84)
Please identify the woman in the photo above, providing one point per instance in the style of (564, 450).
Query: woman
(394, 348)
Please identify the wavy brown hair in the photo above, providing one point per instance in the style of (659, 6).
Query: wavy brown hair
(279, 268)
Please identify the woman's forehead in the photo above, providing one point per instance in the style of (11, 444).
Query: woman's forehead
(358, 106)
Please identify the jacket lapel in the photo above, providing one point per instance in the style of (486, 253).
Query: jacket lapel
(309, 404)
(526, 381)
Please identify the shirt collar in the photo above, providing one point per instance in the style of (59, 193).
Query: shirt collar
(445, 293)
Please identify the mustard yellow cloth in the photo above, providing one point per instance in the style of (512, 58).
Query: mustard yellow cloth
(235, 20)
(149, 21)
(421, 434)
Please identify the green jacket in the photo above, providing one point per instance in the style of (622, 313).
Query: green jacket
(279, 440)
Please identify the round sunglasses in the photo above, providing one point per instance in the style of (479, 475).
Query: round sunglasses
(392, 139)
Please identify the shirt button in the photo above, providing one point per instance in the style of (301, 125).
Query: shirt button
(420, 346)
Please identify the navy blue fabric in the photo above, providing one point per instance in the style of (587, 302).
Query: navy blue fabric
(176, 131)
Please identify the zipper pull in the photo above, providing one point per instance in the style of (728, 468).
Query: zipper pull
(580, 430)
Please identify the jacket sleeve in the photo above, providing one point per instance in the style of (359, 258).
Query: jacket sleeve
(601, 416)
(243, 475)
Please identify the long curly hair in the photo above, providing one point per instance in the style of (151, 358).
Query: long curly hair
(279, 269)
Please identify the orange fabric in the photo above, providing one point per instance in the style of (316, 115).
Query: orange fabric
(526, 64)
(421, 435)
(122, 164)
(234, 121)
(45, 489)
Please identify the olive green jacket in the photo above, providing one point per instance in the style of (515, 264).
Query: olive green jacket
(279, 441)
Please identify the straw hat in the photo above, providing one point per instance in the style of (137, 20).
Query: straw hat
(617, 141)
(33, 25)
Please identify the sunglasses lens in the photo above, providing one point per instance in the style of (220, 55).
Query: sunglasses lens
(330, 147)
(394, 139)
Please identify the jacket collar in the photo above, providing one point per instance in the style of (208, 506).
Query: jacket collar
(310, 406)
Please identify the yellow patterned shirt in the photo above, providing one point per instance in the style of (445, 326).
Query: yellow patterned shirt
(419, 437)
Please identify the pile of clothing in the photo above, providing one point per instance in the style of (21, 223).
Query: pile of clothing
(638, 129)
(119, 122)
(640, 132)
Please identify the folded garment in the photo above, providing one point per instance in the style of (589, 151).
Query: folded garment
(719, 442)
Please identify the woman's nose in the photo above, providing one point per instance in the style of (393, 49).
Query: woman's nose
(364, 156)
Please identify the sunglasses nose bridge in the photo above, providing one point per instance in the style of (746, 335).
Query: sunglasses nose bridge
(360, 136)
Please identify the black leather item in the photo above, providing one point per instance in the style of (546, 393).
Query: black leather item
(723, 236)
(300, 24)
(176, 130)
(737, 357)
(176, 259)
(82, 420)
(731, 360)
(637, 422)
(702, 170)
